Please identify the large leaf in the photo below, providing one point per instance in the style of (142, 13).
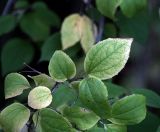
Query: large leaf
(62, 96)
(52, 44)
(78, 28)
(131, 7)
(93, 94)
(14, 117)
(116, 128)
(107, 58)
(34, 27)
(43, 80)
(14, 53)
(47, 120)
(152, 98)
(61, 67)
(82, 118)
(108, 7)
(7, 23)
(40, 97)
(129, 110)
(15, 84)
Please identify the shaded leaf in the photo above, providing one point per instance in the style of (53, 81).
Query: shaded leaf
(107, 58)
(61, 67)
(93, 94)
(15, 84)
(14, 117)
(116, 128)
(40, 97)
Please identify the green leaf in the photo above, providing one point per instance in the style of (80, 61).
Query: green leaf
(131, 7)
(40, 97)
(34, 27)
(115, 90)
(129, 110)
(52, 44)
(71, 30)
(14, 117)
(82, 118)
(20, 4)
(96, 129)
(152, 98)
(62, 96)
(116, 128)
(107, 58)
(47, 120)
(110, 30)
(7, 24)
(108, 7)
(61, 67)
(77, 28)
(15, 84)
(12, 62)
(43, 80)
(93, 94)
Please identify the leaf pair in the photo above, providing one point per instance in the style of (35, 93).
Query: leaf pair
(77, 28)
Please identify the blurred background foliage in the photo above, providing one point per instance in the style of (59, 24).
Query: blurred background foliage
(30, 33)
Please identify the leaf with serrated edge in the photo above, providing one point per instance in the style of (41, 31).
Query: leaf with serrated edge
(107, 58)
(40, 97)
(93, 95)
(14, 117)
(15, 83)
(129, 110)
(61, 67)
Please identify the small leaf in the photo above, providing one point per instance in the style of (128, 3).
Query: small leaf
(43, 80)
(47, 120)
(82, 118)
(40, 97)
(116, 128)
(7, 24)
(63, 95)
(152, 98)
(52, 44)
(129, 110)
(34, 27)
(13, 62)
(93, 94)
(71, 30)
(15, 84)
(14, 117)
(107, 58)
(108, 7)
(131, 7)
(61, 67)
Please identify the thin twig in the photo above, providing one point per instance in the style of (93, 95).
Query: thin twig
(32, 69)
(7, 7)
(101, 28)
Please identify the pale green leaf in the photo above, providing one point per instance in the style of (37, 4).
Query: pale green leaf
(107, 58)
(47, 120)
(152, 98)
(62, 96)
(82, 118)
(116, 128)
(14, 117)
(40, 97)
(15, 84)
(93, 94)
(129, 110)
(61, 67)
(43, 80)
(7, 24)
(52, 44)
(131, 7)
(12, 62)
(108, 7)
